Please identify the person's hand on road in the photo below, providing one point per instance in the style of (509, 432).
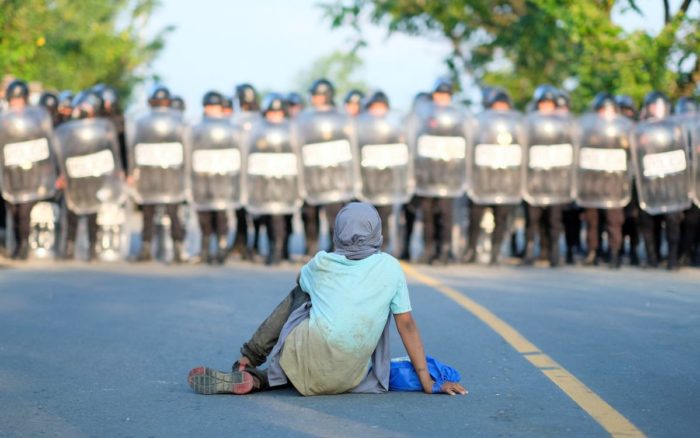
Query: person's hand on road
(453, 388)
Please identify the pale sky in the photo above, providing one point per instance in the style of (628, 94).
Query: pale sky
(220, 43)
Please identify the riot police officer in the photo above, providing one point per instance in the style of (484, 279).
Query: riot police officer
(272, 175)
(353, 102)
(91, 172)
(410, 209)
(49, 101)
(327, 160)
(660, 152)
(246, 114)
(385, 159)
(496, 170)
(549, 173)
(630, 227)
(65, 105)
(215, 175)
(440, 168)
(28, 161)
(111, 109)
(227, 109)
(295, 104)
(603, 184)
(178, 104)
(157, 169)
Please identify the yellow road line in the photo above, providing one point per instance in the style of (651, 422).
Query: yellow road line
(609, 418)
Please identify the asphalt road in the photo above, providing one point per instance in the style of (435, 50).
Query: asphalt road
(104, 350)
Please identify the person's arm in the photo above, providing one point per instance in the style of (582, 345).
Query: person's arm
(408, 330)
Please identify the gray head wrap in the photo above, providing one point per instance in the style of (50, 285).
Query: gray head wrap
(358, 231)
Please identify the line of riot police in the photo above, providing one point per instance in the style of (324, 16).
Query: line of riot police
(263, 165)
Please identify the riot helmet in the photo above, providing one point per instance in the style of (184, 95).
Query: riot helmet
(545, 98)
(497, 98)
(178, 103)
(247, 98)
(86, 104)
(295, 103)
(213, 103)
(227, 106)
(322, 93)
(377, 103)
(686, 105)
(656, 105)
(563, 102)
(626, 105)
(442, 91)
(49, 101)
(159, 96)
(17, 93)
(213, 98)
(353, 102)
(604, 103)
(65, 100)
(274, 107)
(109, 96)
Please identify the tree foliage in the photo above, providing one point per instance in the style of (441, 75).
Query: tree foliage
(519, 44)
(73, 44)
(342, 68)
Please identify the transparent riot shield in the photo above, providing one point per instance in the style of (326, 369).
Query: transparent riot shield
(603, 178)
(272, 170)
(27, 161)
(327, 156)
(215, 173)
(549, 161)
(440, 160)
(497, 158)
(660, 155)
(88, 151)
(157, 158)
(385, 160)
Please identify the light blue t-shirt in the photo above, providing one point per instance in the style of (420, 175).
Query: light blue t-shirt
(351, 299)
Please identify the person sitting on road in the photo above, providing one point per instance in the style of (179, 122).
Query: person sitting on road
(324, 334)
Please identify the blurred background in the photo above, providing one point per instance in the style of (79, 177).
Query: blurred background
(623, 46)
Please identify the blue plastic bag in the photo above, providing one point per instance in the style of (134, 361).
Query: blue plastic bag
(404, 378)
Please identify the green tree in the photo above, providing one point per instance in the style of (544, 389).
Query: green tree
(519, 44)
(342, 68)
(73, 44)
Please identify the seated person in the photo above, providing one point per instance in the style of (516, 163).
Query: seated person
(325, 334)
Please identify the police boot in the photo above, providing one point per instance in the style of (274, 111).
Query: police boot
(673, 264)
(495, 252)
(591, 258)
(222, 249)
(554, 256)
(178, 252)
(444, 257)
(428, 253)
(274, 256)
(529, 257)
(203, 256)
(470, 255)
(652, 259)
(92, 252)
(570, 256)
(311, 247)
(69, 252)
(22, 250)
(615, 260)
(145, 253)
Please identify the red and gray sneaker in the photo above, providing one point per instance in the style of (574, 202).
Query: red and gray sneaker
(209, 381)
